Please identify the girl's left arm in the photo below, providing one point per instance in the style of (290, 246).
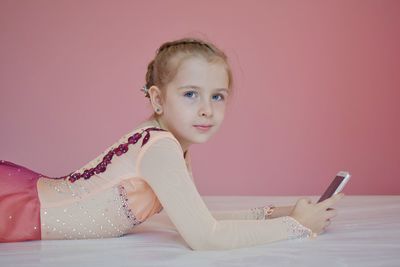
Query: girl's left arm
(161, 164)
(257, 213)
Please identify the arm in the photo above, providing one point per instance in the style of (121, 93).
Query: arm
(257, 213)
(282, 211)
(250, 214)
(162, 165)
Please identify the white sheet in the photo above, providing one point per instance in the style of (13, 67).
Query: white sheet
(366, 232)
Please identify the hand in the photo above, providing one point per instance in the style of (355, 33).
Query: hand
(315, 216)
(282, 211)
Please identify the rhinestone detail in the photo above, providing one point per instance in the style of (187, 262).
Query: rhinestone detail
(118, 151)
(128, 212)
(296, 229)
(262, 213)
(258, 213)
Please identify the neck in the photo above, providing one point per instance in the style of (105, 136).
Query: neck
(160, 124)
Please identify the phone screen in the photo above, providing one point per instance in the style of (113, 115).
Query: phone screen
(332, 188)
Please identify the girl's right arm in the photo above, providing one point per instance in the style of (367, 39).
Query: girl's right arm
(162, 165)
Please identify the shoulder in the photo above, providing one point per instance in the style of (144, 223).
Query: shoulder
(158, 145)
(149, 135)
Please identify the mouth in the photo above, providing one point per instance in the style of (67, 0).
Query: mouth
(203, 127)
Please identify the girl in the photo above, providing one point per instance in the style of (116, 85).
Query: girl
(188, 83)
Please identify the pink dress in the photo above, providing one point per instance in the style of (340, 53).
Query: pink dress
(141, 174)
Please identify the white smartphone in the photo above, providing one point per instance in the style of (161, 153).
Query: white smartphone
(336, 185)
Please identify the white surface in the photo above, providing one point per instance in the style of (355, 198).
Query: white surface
(366, 232)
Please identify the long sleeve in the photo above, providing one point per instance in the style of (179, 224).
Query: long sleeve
(256, 213)
(249, 214)
(162, 165)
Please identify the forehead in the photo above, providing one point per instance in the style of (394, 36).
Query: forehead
(198, 71)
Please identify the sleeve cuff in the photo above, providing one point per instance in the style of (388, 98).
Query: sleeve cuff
(262, 213)
(295, 229)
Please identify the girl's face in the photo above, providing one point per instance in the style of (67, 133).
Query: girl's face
(196, 96)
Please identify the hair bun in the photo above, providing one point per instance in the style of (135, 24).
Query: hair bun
(145, 90)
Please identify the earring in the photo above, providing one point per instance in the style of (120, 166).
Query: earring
(157, 110)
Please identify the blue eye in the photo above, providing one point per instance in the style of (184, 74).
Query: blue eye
(189, 93)
(222, 97)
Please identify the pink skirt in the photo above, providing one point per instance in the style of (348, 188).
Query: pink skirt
(19, 203)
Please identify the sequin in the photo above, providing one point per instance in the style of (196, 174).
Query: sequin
(128, 212)
(258, 213)
(90, 213)
(87, 219)
(296, 229)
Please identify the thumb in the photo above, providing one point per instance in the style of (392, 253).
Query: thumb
(340, 195)
(307, 200)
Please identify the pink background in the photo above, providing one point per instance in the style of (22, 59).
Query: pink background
(317, 88)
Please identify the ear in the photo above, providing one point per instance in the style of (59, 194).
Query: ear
(155, 97)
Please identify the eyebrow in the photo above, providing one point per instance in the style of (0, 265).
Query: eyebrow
(198, 87)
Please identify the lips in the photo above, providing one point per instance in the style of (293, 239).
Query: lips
(203, 127)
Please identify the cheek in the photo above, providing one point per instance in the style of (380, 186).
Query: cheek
(178, 112)
(220, 107)
(173, 105)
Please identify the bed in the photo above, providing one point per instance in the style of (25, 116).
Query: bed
(366, 232)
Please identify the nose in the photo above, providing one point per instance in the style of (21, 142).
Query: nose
(206, 109)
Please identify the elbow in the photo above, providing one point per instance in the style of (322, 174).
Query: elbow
(210, 241)
(197, 247)
(209, 245)
(199, 239)
(199, 243)
(201, 246)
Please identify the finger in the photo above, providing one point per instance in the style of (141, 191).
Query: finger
(305, 201)
(327, 223)
(314, 235)
(331, 213)
(330, 201)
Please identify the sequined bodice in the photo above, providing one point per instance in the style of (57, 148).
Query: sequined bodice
(105, 198)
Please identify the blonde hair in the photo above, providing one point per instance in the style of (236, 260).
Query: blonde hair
(163, 68)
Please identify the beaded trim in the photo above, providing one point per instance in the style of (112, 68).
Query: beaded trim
(296, 229)
(263, 213)
(118, 151)
(128, 212)
(258, 213)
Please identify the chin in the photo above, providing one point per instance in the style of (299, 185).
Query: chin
(202, 138)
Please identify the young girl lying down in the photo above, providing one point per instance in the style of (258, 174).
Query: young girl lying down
(188, 83)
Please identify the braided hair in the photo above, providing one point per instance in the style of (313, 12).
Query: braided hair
(161, 70)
